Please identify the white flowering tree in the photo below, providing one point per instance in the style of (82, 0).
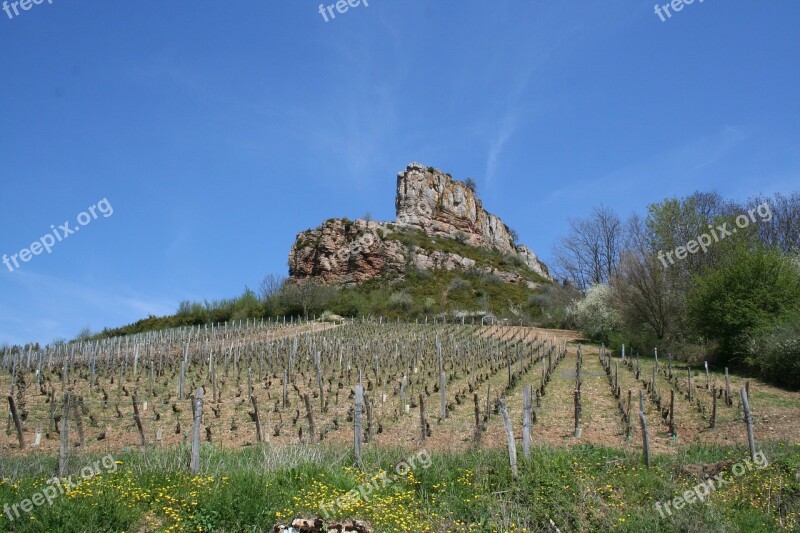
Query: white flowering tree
(595, 314)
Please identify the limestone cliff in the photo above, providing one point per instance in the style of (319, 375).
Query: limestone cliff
(440, 224)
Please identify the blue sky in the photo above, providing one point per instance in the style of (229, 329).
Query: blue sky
(219, 130)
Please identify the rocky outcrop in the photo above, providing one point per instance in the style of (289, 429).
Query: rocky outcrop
(439, 205)
(347, 252)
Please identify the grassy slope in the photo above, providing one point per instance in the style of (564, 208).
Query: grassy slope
(433, 292)
(482, 256)
(438, 291)
(430, 292)
(581, 489)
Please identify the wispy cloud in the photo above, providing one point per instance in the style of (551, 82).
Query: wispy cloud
(507, 128)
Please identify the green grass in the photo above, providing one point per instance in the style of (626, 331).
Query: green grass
(582, 489)
(482, 256)
(436, 291)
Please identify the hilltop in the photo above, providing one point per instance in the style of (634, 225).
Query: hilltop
(440, 224)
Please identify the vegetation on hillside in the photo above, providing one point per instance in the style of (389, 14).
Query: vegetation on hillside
(700, 277)
(483, 257)
(415, 295)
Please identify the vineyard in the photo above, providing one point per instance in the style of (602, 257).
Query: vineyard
(367, 386)
(295, 383)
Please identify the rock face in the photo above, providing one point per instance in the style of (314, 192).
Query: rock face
(427, 201)
(438, 205)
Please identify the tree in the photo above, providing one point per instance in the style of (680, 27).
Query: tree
(776, 352)
(471, 185)
(779, 221)
(590, 253)
(553, 301)
(594, 314)
(270, 291)
(307, 296)
(246, 306)
(750, 292)
(675, 222)
(645, 295)
(84, 334)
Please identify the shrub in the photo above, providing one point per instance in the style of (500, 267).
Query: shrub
(490, 278)
(595, 314)
(750, 293)
(552, 303)
(776, 353)
(512, 260)
(401, 300)
(458, 284)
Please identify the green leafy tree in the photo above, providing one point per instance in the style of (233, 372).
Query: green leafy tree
(247, 306)
(776, 353)
(748, 293)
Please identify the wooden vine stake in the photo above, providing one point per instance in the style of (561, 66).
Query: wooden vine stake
(748, 420)
(478, 425)
(443, 392)
(256, 417)
(628, 417)
(310, 415)
(423, 418)
(17, 422)
(713, 406)
(512, 447)
(645, 441)
(183, 372)
(728, 399)
(526, 421)
(194, 465)
(138, 419)
(63, 451)
(359, 400)
(672, 429)
(578, 428)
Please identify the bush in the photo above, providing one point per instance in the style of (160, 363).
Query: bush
(776, 353)
(750, 293)
(458, 284)
(512, 260)
(401, 300)
(595, 314)
(552, 304)
(490, 278)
